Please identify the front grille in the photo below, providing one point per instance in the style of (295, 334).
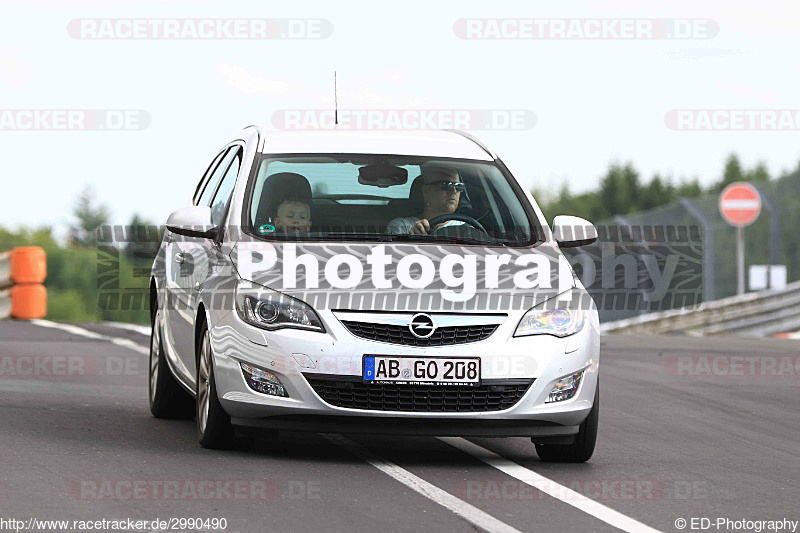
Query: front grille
(356, 394)
(443, 336)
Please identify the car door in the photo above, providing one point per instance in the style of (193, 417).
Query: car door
(195, 257)
(181, 274)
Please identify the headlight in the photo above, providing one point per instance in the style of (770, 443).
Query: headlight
(268, 309)
(566, 319)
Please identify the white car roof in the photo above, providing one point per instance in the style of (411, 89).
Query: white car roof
(429, 143)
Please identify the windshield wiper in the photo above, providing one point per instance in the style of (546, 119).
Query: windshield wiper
(345, 236)
(452, 239)
(407, 237)
(468, 240)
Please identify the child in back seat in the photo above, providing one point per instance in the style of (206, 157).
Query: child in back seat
(294, 215)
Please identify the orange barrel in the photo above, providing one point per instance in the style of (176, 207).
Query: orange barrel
(29, 301)
(28, 264)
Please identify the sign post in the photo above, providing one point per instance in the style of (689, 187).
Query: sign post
(740, 205)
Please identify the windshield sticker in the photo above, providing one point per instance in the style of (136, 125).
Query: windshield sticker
(266, 228)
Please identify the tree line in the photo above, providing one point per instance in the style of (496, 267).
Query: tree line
(75, 288)
(622, 191)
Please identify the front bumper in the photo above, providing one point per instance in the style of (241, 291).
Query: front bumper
(409, 426)
(291, 353)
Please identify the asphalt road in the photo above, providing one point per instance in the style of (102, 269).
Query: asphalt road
(77, 442)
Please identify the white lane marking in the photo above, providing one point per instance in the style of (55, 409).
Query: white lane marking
(75, 330)
(469, 512)
(548, 486)
(138, 328)
(466, 511)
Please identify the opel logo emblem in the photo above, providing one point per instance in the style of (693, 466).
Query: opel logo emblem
(422, 325)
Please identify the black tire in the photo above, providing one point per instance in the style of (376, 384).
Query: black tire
(167, 398)
(582, 448)
(214, 429)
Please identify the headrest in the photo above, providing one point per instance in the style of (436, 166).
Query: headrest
(415, 199)
(277, 188)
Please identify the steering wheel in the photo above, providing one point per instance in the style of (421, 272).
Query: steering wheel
(461, 218)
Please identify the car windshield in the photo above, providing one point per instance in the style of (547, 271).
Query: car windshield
(364, 197)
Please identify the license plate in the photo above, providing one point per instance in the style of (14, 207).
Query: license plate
(422, 370)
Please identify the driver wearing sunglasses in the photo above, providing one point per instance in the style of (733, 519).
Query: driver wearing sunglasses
(441, 192)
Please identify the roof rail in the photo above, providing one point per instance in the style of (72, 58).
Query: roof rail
(474, 140)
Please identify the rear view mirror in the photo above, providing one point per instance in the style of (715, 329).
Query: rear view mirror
(382, 175)
(569, 231)
(193, 221)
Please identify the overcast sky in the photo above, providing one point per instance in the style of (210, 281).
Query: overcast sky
(596, 101)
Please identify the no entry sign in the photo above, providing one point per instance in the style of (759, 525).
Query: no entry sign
(740, 204)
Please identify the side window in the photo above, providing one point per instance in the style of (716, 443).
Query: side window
(216, 177)
(204, 179)
(219, 205)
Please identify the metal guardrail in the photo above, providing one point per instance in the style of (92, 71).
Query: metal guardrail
(755, 314)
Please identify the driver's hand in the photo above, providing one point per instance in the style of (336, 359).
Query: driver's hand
(420, 227)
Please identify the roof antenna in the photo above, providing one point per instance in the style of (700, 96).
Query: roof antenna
(335, 102)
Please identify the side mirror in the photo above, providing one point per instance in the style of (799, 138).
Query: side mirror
(569, 231)
(193, 221)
